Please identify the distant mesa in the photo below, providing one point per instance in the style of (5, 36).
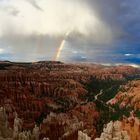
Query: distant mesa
(50, 62)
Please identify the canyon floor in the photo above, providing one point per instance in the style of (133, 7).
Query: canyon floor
(69, 101)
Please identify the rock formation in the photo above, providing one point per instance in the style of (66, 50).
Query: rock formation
(80, 118)
(17, 127)
(36, 132)
(53, 95)
(83, 136)
(5, 131)
(113, 131)
(128, 95)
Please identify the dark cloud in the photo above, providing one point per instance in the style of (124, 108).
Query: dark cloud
(121, 16)
(35, 5)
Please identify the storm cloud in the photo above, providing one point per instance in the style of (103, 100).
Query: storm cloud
(32, 30)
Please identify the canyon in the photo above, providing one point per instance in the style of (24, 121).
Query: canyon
(58, 99)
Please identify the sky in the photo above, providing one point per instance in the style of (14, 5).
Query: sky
(101, 31)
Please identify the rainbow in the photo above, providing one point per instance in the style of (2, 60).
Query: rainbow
(61, 46)
(60, 49)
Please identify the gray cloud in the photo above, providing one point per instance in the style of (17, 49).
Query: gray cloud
(121, 16)
(35, 5)
(27, 48)
(98, 28)
(14, 13)
(10, 10)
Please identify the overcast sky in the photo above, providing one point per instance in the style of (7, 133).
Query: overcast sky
(104, 31)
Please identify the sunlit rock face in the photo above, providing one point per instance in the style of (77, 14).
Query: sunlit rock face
(56, 126)
(128, 95)
(128, 128)
(113, 131)
(132, 126)
(83, 136)
(17, 133)
(80, 118)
